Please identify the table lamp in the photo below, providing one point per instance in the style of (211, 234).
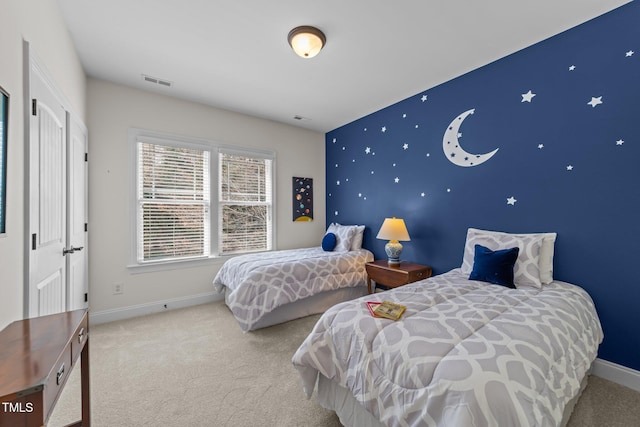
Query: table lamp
(393, 230)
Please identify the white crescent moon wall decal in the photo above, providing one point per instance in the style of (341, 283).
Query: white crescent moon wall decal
(454, 151)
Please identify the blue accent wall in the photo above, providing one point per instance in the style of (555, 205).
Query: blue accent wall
(564, 115)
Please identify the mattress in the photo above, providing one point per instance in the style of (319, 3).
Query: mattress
(464, 353)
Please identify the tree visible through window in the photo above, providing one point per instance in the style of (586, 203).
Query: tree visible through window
(245, 203)
(174, 202)
(174, 189)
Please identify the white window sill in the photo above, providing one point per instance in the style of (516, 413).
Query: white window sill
(151, 267)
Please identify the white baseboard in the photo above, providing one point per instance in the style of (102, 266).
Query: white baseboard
(617, 373)
(97, 317)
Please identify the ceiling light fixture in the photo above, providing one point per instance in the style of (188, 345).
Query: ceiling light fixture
(306, 41)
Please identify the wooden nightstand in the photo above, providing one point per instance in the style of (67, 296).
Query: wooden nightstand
(380, 272)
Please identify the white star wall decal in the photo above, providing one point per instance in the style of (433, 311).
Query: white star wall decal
(367, 150)
(629, 53)
(405, 146)
(384, 129)
(396, 180)
(571, 68)
(424, 98)
(570, 167)
(511, 201)
(527, 97)
(540, 146)
(619, 142)
(595, 101)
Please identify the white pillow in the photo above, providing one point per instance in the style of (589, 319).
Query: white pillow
(358, 234)
(356, 243)
(527, 269)
(546, 257)
(344, 236)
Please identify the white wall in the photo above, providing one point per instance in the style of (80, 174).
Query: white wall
(38, 22)
(113, 109)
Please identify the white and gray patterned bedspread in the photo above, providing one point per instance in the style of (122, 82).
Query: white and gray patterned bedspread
(465, 353)
(261, 282)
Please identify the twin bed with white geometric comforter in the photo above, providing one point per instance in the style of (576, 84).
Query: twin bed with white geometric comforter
(268, 288)
(464, 353)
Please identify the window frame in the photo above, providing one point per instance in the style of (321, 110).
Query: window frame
(270, 203)
(215, 148)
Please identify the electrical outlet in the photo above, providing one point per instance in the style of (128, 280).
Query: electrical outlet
(118, 288)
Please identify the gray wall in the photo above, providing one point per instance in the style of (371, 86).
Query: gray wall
(113, 109)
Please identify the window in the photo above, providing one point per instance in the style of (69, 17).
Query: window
(176, 183)
(173, 202)
(245, 203)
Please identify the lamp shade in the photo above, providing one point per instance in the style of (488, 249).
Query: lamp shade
(306, 41)
(393, 229)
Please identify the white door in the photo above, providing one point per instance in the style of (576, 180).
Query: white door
(47, 199)
(77, 256)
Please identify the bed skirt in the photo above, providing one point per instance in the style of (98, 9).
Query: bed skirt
(314, 304)
(351, 414)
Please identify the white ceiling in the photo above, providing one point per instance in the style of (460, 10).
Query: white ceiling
(234, 54)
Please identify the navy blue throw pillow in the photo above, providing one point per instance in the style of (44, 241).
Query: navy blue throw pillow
(329, 242)
(494, 266)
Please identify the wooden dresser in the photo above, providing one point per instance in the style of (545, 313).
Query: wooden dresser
(36, 357)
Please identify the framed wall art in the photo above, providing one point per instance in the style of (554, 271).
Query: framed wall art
(302, 199)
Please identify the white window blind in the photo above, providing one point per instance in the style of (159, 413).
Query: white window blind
(173, 192)
(245, 203)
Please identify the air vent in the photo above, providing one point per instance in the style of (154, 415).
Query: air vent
(156, 81)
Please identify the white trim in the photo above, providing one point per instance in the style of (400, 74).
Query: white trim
(152, 307)
(617, 373)
(151, 267)
(214, 147)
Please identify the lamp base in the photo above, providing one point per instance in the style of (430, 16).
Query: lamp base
(393, 250)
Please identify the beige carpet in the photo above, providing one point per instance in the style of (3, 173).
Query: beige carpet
(194, 367)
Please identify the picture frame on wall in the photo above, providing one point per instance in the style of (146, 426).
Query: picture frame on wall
(4, 125)
(302, 199)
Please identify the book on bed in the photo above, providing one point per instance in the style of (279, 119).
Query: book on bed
(389, 310)
(372, 305)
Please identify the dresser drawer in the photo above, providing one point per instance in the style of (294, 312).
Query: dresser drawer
(414, 276)
(56, 380)
(79, 338)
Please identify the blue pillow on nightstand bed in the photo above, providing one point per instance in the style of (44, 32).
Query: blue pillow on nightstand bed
(329, 242)
(494, 266)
